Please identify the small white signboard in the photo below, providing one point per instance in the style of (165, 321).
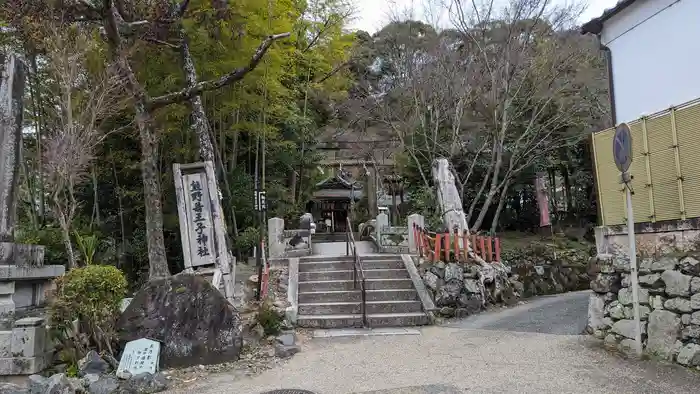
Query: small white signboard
(141, 355)
(124, 304)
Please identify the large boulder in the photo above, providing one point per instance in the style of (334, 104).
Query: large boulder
(689, 355)
(690, 266)
(627, 328)
(626, 296)
(680, 305)
(596, 312)
(677, 284)
(664, 264)
(605, 283)
(453, 271)
(448, 294)
(664, 327)
(193, 321)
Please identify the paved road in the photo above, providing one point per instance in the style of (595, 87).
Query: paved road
(501, 352)
(563, 314)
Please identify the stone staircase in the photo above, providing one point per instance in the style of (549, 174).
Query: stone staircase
(327, 298)
(332, 237)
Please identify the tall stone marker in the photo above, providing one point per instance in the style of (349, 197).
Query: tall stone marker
(24, 279)
(448, 196)
(202, 226)
(11, 96)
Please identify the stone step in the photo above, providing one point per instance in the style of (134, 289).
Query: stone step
(356, 295)
(355, 320)
(372, 284)
(372, 257)
(348, 308)
(347, 265)
(348, 274)
(332, 237)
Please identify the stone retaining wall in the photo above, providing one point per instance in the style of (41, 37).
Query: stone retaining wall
(669, 297)
(463, 289)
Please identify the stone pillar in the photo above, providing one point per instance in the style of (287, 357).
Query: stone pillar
(414, 220)
(601, 240)
(382, 221)
(372, 191)
(448, 197)
(11, 99)
(275, 237)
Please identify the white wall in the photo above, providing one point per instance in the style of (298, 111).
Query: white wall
(656, 56)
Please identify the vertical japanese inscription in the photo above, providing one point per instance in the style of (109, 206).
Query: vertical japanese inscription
(200, 220)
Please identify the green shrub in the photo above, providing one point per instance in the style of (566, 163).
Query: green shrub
(50, 237)
(247, 239)
(269, 319)
(91, 295)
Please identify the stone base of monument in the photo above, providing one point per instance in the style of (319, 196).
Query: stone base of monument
(25, 283)
(26, 349)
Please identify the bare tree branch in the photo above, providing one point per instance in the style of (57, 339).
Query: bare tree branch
(233, 76)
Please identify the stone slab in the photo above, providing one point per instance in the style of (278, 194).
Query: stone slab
(7, 288)
(13, 272)
(24, 365)
(21, 255)
(419, 285)
(364, 332)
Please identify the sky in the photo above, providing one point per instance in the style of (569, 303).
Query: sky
(372, 14)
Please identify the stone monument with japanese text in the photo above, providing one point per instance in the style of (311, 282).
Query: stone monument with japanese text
(202, 226)
(24, 279)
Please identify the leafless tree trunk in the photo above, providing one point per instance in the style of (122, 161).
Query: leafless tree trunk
(158, 263)
(499, 209)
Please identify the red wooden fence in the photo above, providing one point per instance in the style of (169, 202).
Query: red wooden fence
(446, 246)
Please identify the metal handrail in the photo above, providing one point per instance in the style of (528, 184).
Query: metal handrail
(351, 246)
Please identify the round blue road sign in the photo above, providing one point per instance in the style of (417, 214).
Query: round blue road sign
(622, 147)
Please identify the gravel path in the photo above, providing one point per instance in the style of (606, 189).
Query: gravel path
(496, 352)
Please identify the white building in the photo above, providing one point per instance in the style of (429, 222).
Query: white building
(653, 49)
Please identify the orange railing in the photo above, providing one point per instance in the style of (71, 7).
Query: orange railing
(455, 246)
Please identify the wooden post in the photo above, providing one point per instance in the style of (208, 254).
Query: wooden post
(456, 245)
(465, 241)
(475, 245)
(436, 254)
(446, 247)
(489, 250)
(498, 249)
(482, 241)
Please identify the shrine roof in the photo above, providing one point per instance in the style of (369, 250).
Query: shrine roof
(340, 180)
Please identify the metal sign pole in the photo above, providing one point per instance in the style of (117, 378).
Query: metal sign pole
(633, 265)
(622, 153)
